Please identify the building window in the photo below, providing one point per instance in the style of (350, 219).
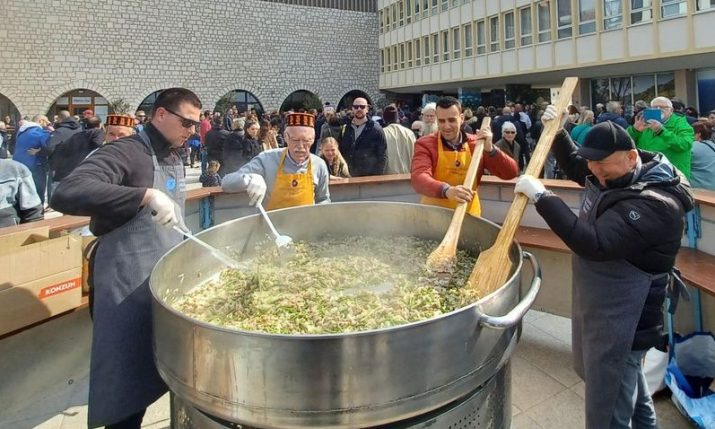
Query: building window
(666, 84)
(456, 43)
(586, 16)
(493, 34)
(435, 4)
(394, 15)
(409, 55)
(612, 14)
(641, 11)
(544, 20)
(425, 47)
(644, 87)
(402, 56)
(425, 8)
(381, 20)
(435, 48)
(408, 11)
(564, 19)
(671, 8)
(388, 14)
(417, 9)
(525, 30)
(382, 61)
(481, 38)
(445, 45)
(445, 5)
(401, 10)
(395, 61)
(509, 34)
(418, 53)
(705, 4)
(388, 60)
(455, 3)
(468, 42)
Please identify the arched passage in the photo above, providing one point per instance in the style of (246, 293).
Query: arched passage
(148, 103)
(244, 101)
(8, 112)
(77, 101)
(348, 98)
(301, 99)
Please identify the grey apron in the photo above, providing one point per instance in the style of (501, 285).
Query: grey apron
(123, 377)
(608, 298)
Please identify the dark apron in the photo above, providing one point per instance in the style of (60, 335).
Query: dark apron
(123, 377)
(608, 298)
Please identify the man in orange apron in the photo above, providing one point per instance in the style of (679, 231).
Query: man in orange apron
(286, 177)
(441, 160)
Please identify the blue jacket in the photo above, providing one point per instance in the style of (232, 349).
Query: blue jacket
(616, 119)
(31, 136)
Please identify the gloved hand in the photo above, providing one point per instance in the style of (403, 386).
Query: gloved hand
(255, 187)
(550, 114)
(529, 186)
(163, 208)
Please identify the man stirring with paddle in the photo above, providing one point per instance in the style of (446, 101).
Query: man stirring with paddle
(441, 160)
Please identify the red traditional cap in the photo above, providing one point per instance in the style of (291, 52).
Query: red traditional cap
(300, 120)
(119, 120)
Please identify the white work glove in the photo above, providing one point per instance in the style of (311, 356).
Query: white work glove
(550, 114)
(255, 187)
(529, 186)
(163, 209)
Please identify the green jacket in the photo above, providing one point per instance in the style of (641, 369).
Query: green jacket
(675, 141)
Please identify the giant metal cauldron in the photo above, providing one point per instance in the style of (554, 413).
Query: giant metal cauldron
(351, 380)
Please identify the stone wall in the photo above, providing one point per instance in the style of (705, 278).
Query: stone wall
(131, 48)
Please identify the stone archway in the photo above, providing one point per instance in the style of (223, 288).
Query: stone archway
(301, 100)
(79, 100)
(8, 109)
(147, 104)
(243, 100)
(347, 100)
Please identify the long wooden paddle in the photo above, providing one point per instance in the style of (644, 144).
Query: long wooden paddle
(444, 258)
(493, 265)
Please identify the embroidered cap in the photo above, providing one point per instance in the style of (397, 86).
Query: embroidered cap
(604, 139)
(300, 120)
(119, 120)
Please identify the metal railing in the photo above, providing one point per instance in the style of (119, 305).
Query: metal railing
(354, 5)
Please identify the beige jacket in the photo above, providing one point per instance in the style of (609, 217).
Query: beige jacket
(400, 148)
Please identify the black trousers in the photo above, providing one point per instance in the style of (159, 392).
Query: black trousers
(132, 422)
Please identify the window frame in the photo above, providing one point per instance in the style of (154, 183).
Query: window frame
(388, 59)
(526, 39)
(417, 43)
(494, 45)
(408, 49)
(587, 26)
(435, 48)
(468, 35)
(633, 11)
(481, 47)
(680, 4)
(703, 7)
(564, 31)
(509, 42)
(612, 18)
(456, 42)
(543, 35)
(444, 36)
(426, 49)
(401, 12)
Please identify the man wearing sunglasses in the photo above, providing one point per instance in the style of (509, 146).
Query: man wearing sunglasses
(133, 189)
(362, 142)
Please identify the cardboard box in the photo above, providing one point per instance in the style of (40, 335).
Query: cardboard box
(40, 276)
(86, 241)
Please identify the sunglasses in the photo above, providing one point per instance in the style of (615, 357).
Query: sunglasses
(359, 106)
(185, 122)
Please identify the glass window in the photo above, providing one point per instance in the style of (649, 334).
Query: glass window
(544, 20)
(381, 20)
(671, 8)
(600, 92)
(418, 53)
(641, 11)
(408, 11)
(525, 29)
(468, 40)
(417, 9)
(493, 34)
(425, 47)
(456, 43)
(402, 56)
(586, 16)
(445, 5)
(666, 84)
(394, 16)
(394, 58)
(409, 55)
(382, 61)
(621, 90)
(455, 3)
(564, 19)
(481, 38)
(644, 87)
(705, 4)
(425, 8)
(401, 11)
(509, 33)
(435, 4)
(445, 45)
(612, 14)
(388, 20)
(388, 60)
(435, 48)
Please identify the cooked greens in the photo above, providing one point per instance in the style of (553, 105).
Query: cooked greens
(337, 285)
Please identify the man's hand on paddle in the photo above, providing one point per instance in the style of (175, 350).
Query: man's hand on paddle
(460, 194)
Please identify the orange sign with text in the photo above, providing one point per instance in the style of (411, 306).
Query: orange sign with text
(59, 288)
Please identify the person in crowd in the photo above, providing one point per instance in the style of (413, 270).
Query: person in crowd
(134, 191)
(211, 177)
(508, 143)
(600, 108)
(66, 128)
(331, 128)
(471, 120)
(692, 112)
(277, 130)
(441, 160)
(522, 115)
(215, 139)
(671, 136)
(140, 121)
(362, 142)
(88, 113)
(585, 122)
(679, 110)
(117, 127)
(239, 149)
(194, 149)
(4, 142)
(19, 202)
(204, 128)
(702, 167)
(638, 107)
(330, 153)
(400, 143)
(417, 127)
(625, 240)
(31, 137)
(508, 115)
(613, 113)
(480, 114)
(68, 154)
(429, 119)
(574, 115)
(287, 177)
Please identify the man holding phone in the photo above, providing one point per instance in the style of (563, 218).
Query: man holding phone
(658, 130)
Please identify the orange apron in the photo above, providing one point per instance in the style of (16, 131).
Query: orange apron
(452, 168)
(291, 190)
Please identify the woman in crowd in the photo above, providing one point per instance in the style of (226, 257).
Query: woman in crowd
(331, 128)
(266, 137)
(702, 164)
(508, 143)
(331, 155)
(585, 122)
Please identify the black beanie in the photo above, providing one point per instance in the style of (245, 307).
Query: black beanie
(603, 139)
(390, 115)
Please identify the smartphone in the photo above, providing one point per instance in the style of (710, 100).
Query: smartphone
(651, 113)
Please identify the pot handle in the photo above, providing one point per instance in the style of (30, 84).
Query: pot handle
(517, 313)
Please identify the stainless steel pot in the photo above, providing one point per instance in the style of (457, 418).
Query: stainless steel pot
(338, 381)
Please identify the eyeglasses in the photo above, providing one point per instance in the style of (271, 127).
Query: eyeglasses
(508, 132)
(359, 106)
(661, 107)
(185, 122)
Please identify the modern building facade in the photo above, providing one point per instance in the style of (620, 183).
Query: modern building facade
(254, 53)
(488, 51)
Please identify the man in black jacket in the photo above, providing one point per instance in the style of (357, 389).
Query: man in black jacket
(625, 240)
(215, 140)
(68, 154)
(363, 143)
